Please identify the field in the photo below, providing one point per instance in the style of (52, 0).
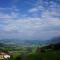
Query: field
(49, 52)
(43, 53)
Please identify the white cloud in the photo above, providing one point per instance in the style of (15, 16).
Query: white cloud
(36, 9)
(8, 16)
(3, 15)
(34, 27)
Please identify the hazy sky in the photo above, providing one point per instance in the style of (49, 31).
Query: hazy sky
(29, 19)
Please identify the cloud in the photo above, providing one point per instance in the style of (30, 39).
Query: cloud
(2, 15)
(40, 21)
(33, 27)
(12, 14)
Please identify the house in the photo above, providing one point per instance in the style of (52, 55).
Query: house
(4, 55)
(1, 57)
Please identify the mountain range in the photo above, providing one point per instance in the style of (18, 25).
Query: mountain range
(54, 40)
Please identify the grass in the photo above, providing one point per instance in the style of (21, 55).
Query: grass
(35, 53)
(47, 55)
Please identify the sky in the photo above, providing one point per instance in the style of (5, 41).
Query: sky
(29, 19)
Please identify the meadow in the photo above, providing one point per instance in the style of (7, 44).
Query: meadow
(37, 53)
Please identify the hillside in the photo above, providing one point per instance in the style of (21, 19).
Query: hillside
(23, 50)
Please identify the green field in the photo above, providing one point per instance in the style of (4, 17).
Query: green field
(37, 53)
(49, 52)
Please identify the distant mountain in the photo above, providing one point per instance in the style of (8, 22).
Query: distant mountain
(54, 40)
(22, 42)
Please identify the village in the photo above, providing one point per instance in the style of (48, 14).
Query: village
(4, 55)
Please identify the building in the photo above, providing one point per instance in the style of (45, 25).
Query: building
(4, 55)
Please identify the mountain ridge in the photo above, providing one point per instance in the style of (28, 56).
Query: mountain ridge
(53, 40)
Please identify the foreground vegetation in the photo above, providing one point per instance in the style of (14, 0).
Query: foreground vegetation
(50, 52)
